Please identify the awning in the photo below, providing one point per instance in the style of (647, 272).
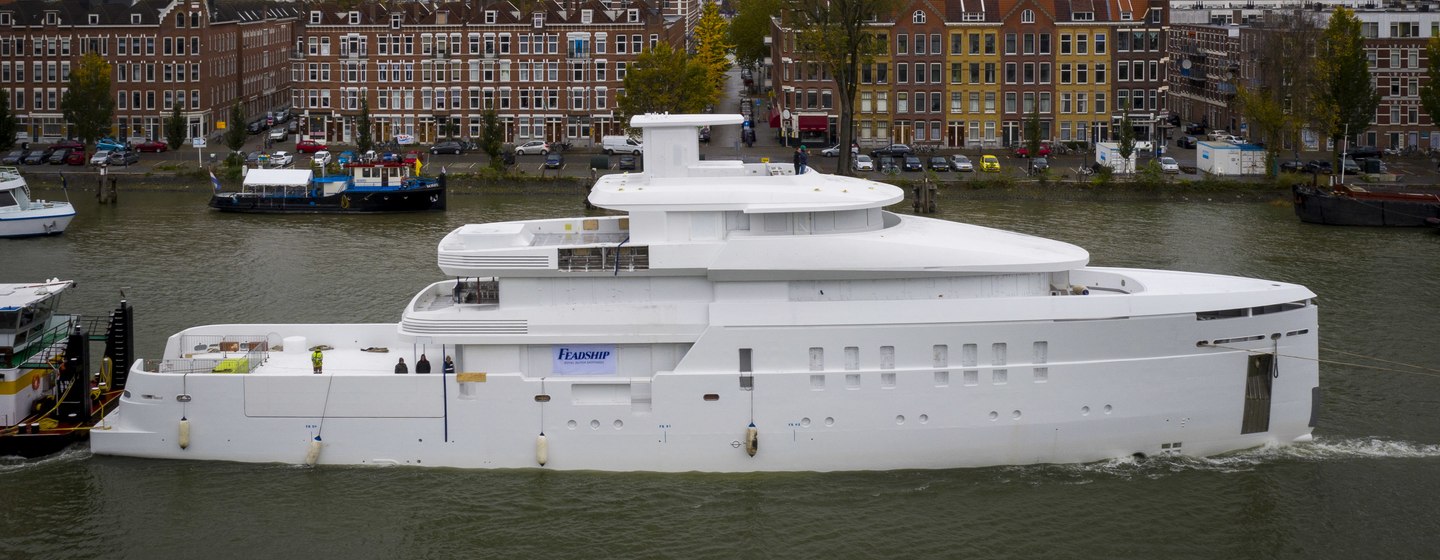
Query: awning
(774, 119)
(814, 122)
(277, 178)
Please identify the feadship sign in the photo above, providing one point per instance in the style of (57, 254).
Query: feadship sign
(584, 359)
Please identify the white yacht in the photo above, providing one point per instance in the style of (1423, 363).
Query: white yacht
(22, 217)
(737, 317)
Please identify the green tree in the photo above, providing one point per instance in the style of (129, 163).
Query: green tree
(836, 34)
(664, 80)
(235, 129)
(1032, 131)
(492, 136)
(364, 139)
(88, 103)
(1347, 98)
(749, 28)
(1126, 136)
(8, 127)
(712, 45)
(1430, 92)
(1275, 97)
(175, 128)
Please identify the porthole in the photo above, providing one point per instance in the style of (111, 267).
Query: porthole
(594, 424)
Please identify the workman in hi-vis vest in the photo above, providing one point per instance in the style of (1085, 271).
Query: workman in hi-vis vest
(317, 359)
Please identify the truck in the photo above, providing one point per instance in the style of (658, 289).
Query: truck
(1224, 158)
(1108, 155)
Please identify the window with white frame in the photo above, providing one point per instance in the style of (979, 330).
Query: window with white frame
(918, 17)
(1027, 16)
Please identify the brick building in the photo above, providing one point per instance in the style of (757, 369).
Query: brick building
(200, 55)
(432, 70)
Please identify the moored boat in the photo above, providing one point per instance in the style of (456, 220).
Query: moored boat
(49, 395)
(737, 317)
(1345, 205)
(364, 188)
(21, 216)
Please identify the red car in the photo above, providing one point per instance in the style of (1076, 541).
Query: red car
(1023, 151)
(68, 144)
(310, 147)
(152, 146)
(76, 157)
(411, 157)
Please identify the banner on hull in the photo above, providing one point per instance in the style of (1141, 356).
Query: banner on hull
(583, 359)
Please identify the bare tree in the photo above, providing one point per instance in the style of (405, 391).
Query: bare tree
(1276, 93)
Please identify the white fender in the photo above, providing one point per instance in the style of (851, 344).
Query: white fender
(313, 455)
(542, 449)
(752, 440)
(184, 433)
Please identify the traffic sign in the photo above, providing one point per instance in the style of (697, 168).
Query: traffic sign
(197, 142)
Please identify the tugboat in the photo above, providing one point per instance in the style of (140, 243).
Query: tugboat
(49, 396)
(20, 216)
(368, 187)
(1345, 205)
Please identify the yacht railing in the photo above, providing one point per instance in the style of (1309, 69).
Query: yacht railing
(9, 173)
(585, 259)
(238, 354)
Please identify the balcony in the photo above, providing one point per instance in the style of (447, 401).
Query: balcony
(297, 55)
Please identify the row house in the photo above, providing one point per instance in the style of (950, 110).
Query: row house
(196, 55)
(1212, 53)
(971, 72)
(432, 70)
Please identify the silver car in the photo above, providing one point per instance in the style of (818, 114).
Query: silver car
(862, 162)
(961, 163)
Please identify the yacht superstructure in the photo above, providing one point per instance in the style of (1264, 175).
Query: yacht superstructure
(738, 317)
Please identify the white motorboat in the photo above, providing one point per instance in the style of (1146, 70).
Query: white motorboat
(736, 317)
(20, 216)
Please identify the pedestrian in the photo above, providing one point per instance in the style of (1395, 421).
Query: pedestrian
(317, 359)
(801, 158)
(448, 366)
(422, 366)
(400, 366)
(804, 159)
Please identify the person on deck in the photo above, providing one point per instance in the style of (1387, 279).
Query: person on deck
(422, 366)
(801, 158)
(448, 366)
(317, 359)
(400, 366)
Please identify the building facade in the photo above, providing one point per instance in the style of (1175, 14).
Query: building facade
(971, 73)
(199, 56)
(431, 71)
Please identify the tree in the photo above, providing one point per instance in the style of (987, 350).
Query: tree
(712, 47)
(664, 80)
(837, 36)
(364, 140)
(1127, 138)
(235, 133)
(1275, 96)
(1032, 131)
(1347, 98)
(175, 129)
(88, 103)
(492, 135)
(749, 28)
(7, 122)
(1430, 92)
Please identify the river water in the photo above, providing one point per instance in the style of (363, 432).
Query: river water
(1368, 487)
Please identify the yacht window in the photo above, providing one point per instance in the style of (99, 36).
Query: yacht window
(817, 359)
(9, 320)
(852, 357)
(7, 199)
(887, 357)
(942, 355)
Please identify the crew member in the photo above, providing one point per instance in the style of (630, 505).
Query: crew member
(400, 366)
(317, 359)
(448, 366)
(422, 366)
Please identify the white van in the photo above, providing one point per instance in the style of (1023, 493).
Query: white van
(621, 145)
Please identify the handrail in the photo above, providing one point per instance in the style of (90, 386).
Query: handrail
(45, 343)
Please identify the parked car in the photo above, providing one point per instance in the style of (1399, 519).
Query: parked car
(14, 157)
(36, 157)
(310, 147)
(533, 147)
(1039, 164)
(554, 160)
(1359, 152)
(939, 163)
(68, 144)
(1024, 151)
(447, 147)
(75, 157)
(1186, 142)
(1195, 129)
(1319, 166)
(960, 162)
(58, 155)
(1292, 166)
(281, 159)
(410, 157)
(123, 157)
(1350, 166)
(862, 162)
(989, 163)
(252, 158)
(279, 135)
(893, 150)
(389, 157)
(101, 157)
(888, 165)
(320, 158)
(912, 163)
(1169, 165)
(255, 127)
(1218, 135)
(627, 162)
(110, 144)
(152, 146)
